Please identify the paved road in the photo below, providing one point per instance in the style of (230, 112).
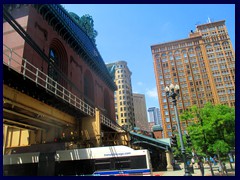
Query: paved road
(197, 171)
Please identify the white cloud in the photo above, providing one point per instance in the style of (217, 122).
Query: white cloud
(152, 93)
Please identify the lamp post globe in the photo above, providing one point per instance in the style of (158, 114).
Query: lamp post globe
(172, 92)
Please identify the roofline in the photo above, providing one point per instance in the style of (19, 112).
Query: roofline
(121, 61)
(176, 41)
(210, 23)
(187, 38)
(79, 37)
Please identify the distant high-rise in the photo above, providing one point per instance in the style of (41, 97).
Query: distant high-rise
(140, 111)
(124, 108)
(154, 115)
(203, 65)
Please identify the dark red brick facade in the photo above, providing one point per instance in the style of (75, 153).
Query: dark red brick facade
(89, 86)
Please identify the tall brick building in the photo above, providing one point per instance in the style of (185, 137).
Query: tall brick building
(203, 65)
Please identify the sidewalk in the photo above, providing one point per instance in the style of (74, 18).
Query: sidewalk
(197, 172)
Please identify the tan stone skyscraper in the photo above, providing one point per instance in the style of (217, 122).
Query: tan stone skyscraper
(140, 111)
(203, 65)
(124, 108)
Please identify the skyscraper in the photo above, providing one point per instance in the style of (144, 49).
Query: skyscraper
(204, 67)
(124, 108)
(154, 115)
(140, 111)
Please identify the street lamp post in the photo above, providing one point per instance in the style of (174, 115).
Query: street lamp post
(173, 92)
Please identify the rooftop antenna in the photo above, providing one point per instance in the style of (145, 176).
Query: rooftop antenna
(209, 20)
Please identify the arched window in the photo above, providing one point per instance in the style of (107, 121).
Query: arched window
(190, 50)
(177, 52)
(208, 46)
(198, 48)
(184, 53)
(225, 43)
(58, 59)
(52, 73)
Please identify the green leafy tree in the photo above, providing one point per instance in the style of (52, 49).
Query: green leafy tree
(214, 130)
(87, 25)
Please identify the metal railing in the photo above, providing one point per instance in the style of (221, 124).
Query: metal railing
(110, 124)
(22, 66)
(28, 70)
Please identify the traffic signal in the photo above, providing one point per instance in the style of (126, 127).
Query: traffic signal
(188, 155)
(189, 142)
(174, 141)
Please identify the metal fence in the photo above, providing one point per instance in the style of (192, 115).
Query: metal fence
(15, 62)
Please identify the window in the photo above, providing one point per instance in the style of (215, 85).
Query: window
(184, 52)
(190, 50)
(166, 112)
(208, 47)
(177, 57)
(167, 119)
(176, 52)
(53, 63)
(198, 49)
(216, 45)
(169, 133)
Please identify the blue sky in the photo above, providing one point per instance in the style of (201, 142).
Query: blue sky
(126, 32)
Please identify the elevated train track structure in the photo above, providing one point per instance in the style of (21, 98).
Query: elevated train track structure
(32, 103)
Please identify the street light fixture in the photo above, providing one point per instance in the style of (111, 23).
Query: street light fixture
(172, 92)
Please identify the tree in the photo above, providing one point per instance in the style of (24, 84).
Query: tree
(214, 130)
(87, 25)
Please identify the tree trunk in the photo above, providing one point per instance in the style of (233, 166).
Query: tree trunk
(210, 165)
